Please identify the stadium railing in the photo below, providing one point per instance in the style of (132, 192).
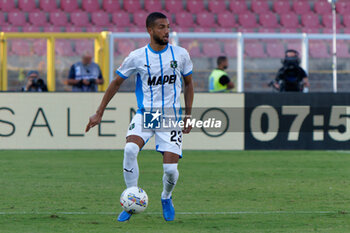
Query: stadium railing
(101, 53)
(249, 69)
(241, 39)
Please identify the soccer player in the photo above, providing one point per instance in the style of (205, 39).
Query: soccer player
(159, 67)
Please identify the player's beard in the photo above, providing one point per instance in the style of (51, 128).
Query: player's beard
(159, 41)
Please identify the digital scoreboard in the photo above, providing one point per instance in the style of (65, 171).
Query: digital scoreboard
(297, 121)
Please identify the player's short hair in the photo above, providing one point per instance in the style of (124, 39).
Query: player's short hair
(151, 18)
(221, 59)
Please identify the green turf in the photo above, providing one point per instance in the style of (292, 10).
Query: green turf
(297, 183)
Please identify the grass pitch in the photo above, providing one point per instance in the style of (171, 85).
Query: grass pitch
(250, 191)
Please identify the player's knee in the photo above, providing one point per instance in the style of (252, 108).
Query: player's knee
(131, 150)
(170, 169)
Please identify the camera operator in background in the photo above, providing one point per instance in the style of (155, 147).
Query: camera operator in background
(34, 83)
(291, 77)
(84, 76)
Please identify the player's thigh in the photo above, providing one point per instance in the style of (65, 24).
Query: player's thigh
(136, 133)
(135, 139)
(170, 157)
(169, 143)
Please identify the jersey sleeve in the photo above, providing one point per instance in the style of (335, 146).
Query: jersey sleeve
(224, 80)
(99, 73)
(71, 74)
(279, 75)
(187, 64)
(303, 73)
(127, 68)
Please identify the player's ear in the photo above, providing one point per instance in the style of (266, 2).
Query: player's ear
(149, 30)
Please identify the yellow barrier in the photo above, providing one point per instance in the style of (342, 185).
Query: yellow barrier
(100, 44)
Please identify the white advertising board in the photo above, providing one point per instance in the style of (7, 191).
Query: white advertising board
(58, 120)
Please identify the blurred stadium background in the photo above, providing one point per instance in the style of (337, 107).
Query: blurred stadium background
(261, 56)
(56, 185)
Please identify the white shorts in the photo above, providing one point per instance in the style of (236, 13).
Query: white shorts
(166, 141)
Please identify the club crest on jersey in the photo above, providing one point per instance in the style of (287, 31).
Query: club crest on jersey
(173, 64)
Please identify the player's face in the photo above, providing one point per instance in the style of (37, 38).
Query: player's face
(160, 31)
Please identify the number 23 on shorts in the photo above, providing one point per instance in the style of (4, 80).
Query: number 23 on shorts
(176, 136)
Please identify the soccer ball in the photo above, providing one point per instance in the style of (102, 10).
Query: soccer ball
(134, 200)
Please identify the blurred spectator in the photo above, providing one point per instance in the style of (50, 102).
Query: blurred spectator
(218, 79)
(34, 83)
(84, 76)
(291, 77)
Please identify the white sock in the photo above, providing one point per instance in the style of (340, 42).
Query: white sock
(170, 177)
(130, 166)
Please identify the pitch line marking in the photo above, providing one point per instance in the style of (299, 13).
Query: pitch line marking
(180, 213)
(340, 151)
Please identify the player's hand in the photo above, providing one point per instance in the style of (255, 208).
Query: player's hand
(86, 82)
(29, 83)
(187, 128)
(93, 121)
